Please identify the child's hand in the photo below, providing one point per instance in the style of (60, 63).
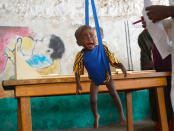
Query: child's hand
(124, 71)
(78, 88)
(78, 85)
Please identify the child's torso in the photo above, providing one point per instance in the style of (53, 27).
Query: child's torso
(97, 64)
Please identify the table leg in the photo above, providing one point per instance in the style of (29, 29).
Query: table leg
(162, 115)
(129, 113)
(19, 115)
(24, 114)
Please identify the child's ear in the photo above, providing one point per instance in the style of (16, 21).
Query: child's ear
(79, 43)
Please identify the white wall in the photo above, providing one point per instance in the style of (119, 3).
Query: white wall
(62, 17)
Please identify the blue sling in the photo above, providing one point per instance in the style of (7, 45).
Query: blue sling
(96, 61)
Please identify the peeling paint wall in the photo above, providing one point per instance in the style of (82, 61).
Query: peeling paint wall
(62, 17)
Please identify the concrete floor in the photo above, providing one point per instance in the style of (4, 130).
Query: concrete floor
(144, 125)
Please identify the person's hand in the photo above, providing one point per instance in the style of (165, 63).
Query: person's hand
(143, 22)
(123, 69)
(78, 89)
(158, 12)
(121, 66)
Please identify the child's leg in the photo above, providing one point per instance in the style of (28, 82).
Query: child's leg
(93, 102)
(116, 98)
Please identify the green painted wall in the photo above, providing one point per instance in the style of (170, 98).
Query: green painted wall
(63, 112)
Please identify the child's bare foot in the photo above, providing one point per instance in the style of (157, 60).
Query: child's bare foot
(96, 121)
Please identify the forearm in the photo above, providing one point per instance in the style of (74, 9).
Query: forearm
(77, 78)
(118, 65)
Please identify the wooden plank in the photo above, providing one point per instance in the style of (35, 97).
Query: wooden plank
(139, 83)
(161, 109)
(25, 114)
(65, 88)
(2, 93)
(71, 78)
(129, 112)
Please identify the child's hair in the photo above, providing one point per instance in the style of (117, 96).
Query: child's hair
(101, 31)
(80, 29)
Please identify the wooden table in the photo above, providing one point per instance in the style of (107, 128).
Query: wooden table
(65, 85)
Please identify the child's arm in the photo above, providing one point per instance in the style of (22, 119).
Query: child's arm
(113, 61)
(78, 69)
(78, 85)
(121, 66)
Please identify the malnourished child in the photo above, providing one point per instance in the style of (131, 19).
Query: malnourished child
(96, 58)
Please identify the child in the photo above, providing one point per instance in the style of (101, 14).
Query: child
(90, 57)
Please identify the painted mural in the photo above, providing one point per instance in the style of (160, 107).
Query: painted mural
(43, 54)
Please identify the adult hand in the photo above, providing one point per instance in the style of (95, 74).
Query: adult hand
(143, 22)
(159, 12)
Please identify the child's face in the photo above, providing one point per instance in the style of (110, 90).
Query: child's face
(87, 39)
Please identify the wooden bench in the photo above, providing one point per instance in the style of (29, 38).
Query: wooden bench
(65, 85)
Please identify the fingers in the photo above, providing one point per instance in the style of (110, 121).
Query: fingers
(125, 74)
(78, 92)
(143, 24)
(153, 18)
(150, 13)
(148, 8)
(157, 12)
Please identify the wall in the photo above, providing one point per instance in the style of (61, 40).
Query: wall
(171, 2)
(66, 112)
(62, 17)
(57, 20)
